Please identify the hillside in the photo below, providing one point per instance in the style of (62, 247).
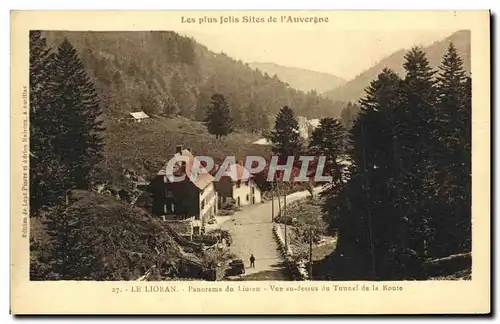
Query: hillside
(300, 79)
(121, 243)
(166, 74)
(354, 89)
(172, 78)
(146, 147)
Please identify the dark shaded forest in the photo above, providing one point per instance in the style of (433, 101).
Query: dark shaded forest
(405, 212)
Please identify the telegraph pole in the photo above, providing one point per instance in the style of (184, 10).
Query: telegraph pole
(310, 254)
(279, 197)
(284, 218)
(272, 202)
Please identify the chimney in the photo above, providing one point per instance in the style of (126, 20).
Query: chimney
(183, 167)
(178, 149)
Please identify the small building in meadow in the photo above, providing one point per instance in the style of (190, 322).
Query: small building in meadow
(139, 116)
(263, 141)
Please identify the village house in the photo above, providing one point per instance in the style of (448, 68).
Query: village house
(189, 204)
(237, 184)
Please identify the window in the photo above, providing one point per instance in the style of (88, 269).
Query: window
(169, 207)
(203, 204)
(238, 183)
(253, 190)
(248, 198)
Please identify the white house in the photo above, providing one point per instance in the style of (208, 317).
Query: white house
(238, 185)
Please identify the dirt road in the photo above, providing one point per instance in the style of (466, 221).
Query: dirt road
(251, 229)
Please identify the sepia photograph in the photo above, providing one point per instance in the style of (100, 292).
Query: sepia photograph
(322, 155)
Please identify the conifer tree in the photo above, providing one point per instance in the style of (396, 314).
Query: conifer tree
(416, 144)
(285, 136)
(363, 211)
(218, 120)
(75, 106)
(48, 176)
(408, 196)
(327, 140)
(452, 224)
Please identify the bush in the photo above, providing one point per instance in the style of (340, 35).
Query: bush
(229, 204)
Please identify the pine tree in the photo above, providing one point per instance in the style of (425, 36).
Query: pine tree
(327, 140)
(76, 107)
(45, 166)
(416, 145)
(452, 224)
(285, 136)
(363, 211)
(218, 120)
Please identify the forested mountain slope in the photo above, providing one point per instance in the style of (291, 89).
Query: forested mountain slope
(354, 89)
(300, 79)
(167, 74)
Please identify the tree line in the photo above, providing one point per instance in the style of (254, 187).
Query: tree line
(65, 123)
(406, 196)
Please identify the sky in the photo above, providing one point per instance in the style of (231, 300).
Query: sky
(344, 53)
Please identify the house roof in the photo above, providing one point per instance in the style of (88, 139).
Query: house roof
(139, 115)
(202, 179)
(236, 172)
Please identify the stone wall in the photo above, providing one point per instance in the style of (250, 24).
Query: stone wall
(297, 269)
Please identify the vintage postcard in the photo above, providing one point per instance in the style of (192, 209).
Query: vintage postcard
(250, 162)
